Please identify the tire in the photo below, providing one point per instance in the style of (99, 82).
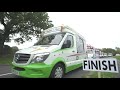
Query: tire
(58, 71)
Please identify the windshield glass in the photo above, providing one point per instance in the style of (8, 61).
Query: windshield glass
(53, 39)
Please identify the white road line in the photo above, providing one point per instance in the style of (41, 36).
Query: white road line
(5, 74)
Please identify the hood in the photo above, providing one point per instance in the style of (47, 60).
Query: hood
(38, 49)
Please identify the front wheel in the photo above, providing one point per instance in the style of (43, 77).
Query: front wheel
(58, 71)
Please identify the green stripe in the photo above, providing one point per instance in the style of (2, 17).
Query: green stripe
(63, 49)
(70, 68)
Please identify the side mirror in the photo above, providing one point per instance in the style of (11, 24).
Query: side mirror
(67, 45)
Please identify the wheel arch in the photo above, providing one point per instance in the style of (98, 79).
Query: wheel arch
(59, 60)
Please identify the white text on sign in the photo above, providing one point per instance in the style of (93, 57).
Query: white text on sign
(103, 65)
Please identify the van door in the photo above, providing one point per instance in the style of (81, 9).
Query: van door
(80, 46)
(68, 49)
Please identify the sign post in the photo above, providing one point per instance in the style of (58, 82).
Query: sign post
(99, 74)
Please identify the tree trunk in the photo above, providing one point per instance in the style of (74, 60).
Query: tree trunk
(2, 41)
(1, 47)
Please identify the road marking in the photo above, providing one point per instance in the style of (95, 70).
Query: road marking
(5, 74)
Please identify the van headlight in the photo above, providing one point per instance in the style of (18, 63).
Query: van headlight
(40, 57)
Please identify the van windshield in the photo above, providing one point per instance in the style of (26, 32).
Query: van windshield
(53, 39)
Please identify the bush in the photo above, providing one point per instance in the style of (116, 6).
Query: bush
(14, 49)
(7, 50)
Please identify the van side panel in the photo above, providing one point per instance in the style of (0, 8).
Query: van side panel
(70, 68)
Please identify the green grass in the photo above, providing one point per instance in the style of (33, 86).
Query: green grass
(7, 60)
(103, 75)
(117, 57)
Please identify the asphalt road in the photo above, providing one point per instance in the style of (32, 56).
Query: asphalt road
(5, 72)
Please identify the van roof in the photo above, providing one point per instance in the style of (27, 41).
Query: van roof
(71, 30)
(61, 29)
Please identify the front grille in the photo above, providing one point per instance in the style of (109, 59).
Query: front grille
(21, 58)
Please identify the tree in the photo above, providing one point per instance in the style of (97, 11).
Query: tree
(104, 50)
(7, 50)
(27, 24)
(1, 31)
(109, 50)
(117, 50)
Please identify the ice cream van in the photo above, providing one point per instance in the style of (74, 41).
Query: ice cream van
(58, 51)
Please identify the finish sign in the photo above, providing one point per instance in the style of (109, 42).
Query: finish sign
(101, 65)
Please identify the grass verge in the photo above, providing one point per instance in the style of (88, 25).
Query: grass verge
(6, 60)
(117, 57)
(103, 75)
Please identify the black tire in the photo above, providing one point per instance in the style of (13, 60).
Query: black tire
(56, 67)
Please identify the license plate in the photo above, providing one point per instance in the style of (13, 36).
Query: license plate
(15, 72)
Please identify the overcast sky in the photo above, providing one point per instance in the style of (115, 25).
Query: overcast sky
(100, 29)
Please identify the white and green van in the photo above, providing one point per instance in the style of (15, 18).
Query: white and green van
(59, 50)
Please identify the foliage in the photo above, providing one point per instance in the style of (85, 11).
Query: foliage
(26, 24)
(109, 50)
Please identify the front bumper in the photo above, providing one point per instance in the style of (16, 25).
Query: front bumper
(36, 70)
